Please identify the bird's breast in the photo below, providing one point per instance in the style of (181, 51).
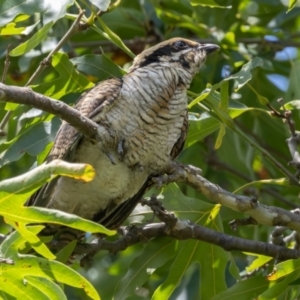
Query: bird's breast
(112, 183)
(149, 117)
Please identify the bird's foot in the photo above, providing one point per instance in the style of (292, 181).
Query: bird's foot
(107, 141)
(111, 157)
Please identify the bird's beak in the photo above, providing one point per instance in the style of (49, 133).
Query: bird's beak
(210, 48)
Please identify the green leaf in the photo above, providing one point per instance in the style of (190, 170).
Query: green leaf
(263, 100)
(35, 178)
(69, 80)
(294, 104)
(191, 251)
(245, 289)
(34, 241)
(284, 268)
(10, 29)
(205, 124)
(101, 4)
(200, 98)
(65, 253)
(243, 76)
(33, 277)
(14, 277)
(32, 141)
(279, 181)
(110, 35)
(32, 42)
(293, 91)
(17, 11)
(200, 127)
(54, 11)
(220, 136)
(9, 10)
(210, 3)
(292, 4)
(49, 289)
(224, 97)
(154, 255)
(281, 279)
(258, 262)
(99, 66)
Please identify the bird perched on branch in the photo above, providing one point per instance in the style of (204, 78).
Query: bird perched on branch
(143, 123)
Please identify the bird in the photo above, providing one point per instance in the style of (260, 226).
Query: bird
(142, 126)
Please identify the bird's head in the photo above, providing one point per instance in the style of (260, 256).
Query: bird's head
(180, 53)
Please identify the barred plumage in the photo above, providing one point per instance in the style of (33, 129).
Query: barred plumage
(142, 126)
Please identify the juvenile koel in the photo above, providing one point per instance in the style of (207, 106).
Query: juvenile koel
(143, 124)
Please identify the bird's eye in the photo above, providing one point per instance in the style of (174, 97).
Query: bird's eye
(180, 44)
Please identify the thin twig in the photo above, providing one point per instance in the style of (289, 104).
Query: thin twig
(6, 64)
(8, 113)
(47, 61)
(44, 63)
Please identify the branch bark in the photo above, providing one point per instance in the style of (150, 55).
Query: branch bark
(24, 95)
(181, 230)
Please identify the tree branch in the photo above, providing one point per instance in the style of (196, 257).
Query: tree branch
(24, 95)
(180, 230)
(262, 214)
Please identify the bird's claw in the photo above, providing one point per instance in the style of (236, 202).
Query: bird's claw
(111, 158)
(120, 149)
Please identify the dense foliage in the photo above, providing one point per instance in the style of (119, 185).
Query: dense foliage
(258, 64)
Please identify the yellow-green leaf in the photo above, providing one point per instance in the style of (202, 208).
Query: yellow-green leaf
(32, 42)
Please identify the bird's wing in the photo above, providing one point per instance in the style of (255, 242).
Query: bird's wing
(113, 217)
(97, 100)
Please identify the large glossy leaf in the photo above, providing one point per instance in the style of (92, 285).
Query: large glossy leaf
(11, 9)
(293, 91)
(154, 255)
(33, 277)
(101, 4)
(54, 11)
(32, 141)
(51, 10)
(14, 192)
(32, 42)
(191, 252)
(281, 287)
(110, 35)
(205, 124)
(69, 80)
(210, 3)
(99, 66)
(11, 29)
(245, 289)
